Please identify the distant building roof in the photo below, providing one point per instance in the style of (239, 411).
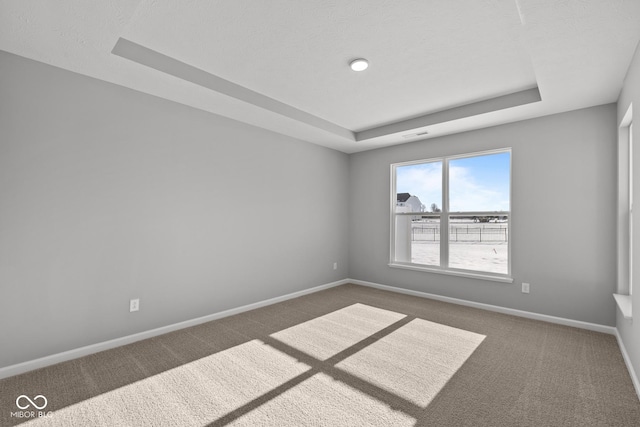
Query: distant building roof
(403, 197)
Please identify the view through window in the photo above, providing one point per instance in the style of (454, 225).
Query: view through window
(453, 213)
(630, 249)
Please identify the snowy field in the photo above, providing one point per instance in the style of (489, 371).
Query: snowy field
(473, 246)
(469, 256)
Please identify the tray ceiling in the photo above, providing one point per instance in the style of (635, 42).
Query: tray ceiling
(437, 67)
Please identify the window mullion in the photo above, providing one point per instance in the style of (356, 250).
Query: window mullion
(444, 216)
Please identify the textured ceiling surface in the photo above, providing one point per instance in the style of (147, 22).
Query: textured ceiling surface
(424, 55)
(283, 64)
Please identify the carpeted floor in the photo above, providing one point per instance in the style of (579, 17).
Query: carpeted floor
(346, 356)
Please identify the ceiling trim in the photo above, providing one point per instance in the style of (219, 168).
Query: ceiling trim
(476, 108)
(166, 64)
(163, 63)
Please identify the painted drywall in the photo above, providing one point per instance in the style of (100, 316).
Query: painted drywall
(109, 194)
(629, 330)
(563, 232)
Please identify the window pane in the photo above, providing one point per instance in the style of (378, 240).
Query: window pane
(425, 241)
(480, 244)
(417, 240)
(479, 183)
(419, 187)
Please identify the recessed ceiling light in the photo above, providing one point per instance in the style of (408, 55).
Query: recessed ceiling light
(359, 64)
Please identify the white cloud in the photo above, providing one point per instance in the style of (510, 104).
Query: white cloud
(467, 193)
(423, 181)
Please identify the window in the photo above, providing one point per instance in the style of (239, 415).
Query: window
(625, 205)
(452, 214)
(630, 208)
(625, 214)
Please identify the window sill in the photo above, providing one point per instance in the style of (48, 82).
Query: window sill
(624, 304)
(503, 279)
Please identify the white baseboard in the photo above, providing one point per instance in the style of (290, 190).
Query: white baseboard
(627, 361)
(117, 342)
(520, 313)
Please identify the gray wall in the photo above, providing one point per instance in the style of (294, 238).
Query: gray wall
(630, 331)
(109, 194)
(563, 215)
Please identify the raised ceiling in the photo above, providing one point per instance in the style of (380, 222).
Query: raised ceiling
(436, 66)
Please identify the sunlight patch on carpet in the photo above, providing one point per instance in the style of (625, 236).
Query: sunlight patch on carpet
(415, 361)
(193, 394)
(328, 335)
(321, 400)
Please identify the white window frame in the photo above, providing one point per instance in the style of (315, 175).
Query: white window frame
(444, 215)
(630, 208)
(625, 215)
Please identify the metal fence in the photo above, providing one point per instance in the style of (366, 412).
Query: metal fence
(462, 233)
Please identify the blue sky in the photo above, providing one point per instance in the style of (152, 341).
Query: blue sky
(478, 183)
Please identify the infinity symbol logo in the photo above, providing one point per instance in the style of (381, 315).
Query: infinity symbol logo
(31, 402)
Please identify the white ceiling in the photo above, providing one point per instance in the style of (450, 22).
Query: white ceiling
(439, 66)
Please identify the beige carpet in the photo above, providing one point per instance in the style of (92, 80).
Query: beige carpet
(347, 356)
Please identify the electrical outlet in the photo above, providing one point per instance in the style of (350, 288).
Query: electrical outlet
(335, 265)
(525, 288)
(134, 305)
